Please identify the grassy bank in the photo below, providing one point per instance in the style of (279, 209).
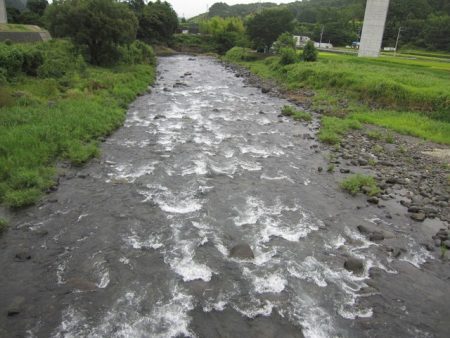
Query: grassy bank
(408, 96)
(45, 119)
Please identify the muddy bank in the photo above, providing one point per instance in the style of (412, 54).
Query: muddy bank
(206, 216)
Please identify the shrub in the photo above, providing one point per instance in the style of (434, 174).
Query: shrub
(296, 114)
(11, 59)
(288, 56)
(285, 40)
(137, 53)
(3, 225)
(359, 183)
(238, 54)
(309, 52)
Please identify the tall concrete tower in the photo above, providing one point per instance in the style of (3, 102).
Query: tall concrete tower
(3, 18)
(373, 29)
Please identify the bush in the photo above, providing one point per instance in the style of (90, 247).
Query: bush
(238, 54)
(11, 59)
(359, 183)
(285, 40)
(288, 56)
(309, 52)
(3, 225)
(137, 53)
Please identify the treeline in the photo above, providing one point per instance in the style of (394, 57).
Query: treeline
(102, 29)
(423, 23)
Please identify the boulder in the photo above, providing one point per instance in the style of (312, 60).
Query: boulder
(242, 251)
(376, 236)
(418, 217)
(354, 265)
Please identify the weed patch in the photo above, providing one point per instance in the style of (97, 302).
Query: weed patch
(360, 183)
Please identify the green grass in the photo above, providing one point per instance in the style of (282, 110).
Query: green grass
(407, 96)
(334, 128)
(8, 27)
(3, 225)
(296, 114)
(43, 121)
(358, 183)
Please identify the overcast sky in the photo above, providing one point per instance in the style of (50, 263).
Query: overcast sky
(190, 8)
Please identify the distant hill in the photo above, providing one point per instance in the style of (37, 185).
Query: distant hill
(424, 23)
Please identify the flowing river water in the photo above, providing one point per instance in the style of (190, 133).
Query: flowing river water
(137, 244)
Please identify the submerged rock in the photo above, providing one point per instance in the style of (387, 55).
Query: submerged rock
(419, 216)
(355, 265)
(242, 251)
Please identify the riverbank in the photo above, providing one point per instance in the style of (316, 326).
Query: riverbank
(58, 114)
(410, 172)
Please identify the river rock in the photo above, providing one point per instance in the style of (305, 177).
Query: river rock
(265, 90)
(376, 236)
(242, 251)
(418, 217)
(446, 244)
(81, 284)
(373, 200)
(16, 306)
(355, 265)
(22, 256)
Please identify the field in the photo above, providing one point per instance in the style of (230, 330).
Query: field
(410, 96)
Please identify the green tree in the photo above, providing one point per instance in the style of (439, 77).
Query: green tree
(37, 6)
(285, 40)
(157, 22)
(97, 26)
(309, 52)
(265, 27)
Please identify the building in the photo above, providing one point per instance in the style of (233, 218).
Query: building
(323, 45)
(300, 41)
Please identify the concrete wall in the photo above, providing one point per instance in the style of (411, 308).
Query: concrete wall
(373, 29)
(3, 18)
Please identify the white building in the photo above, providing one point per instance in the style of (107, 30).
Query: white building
(300, 41)
(323, 45)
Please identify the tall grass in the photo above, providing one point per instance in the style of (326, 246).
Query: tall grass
(43, 121)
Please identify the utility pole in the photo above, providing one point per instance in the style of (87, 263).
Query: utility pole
(396, 42)
(321, 35)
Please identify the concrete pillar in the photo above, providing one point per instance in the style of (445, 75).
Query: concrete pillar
(373, 29)
(3, 18)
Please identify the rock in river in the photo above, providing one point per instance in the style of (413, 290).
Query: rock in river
(354, 265)
(242, 251)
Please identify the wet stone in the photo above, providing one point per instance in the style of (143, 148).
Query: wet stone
(22, 256)
(355, 265)
(242, 251)
(419, 217)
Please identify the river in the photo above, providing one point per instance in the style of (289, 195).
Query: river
(137, 243)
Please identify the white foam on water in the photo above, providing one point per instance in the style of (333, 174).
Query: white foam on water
(165, 319)
(227, 169)
(130, 172)
(269, 283)
(81, 217)
(135, 120)
(138, 243)
(181, 257)
(255, 308)
(277, 178)
(416, 255)
(250, 166)
(200, 167)
(135, 143)
(102, 273)
(180, 203)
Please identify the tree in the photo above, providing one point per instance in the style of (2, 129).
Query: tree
(97, 26)
(285, 40)
(265, 27)
(157, 22)
(309, 52)
(37, 6)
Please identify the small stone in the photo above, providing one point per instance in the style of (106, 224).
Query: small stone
(158, 117)
(446, 244)
(419, 217)
(354, 265)
(362, 162)
(344, 171)
(376, 236)
(373, 200)
(320, 169)
(242, 251)
(16, 306)
(22, 256)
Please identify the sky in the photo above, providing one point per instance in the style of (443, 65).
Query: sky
(190, 8)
